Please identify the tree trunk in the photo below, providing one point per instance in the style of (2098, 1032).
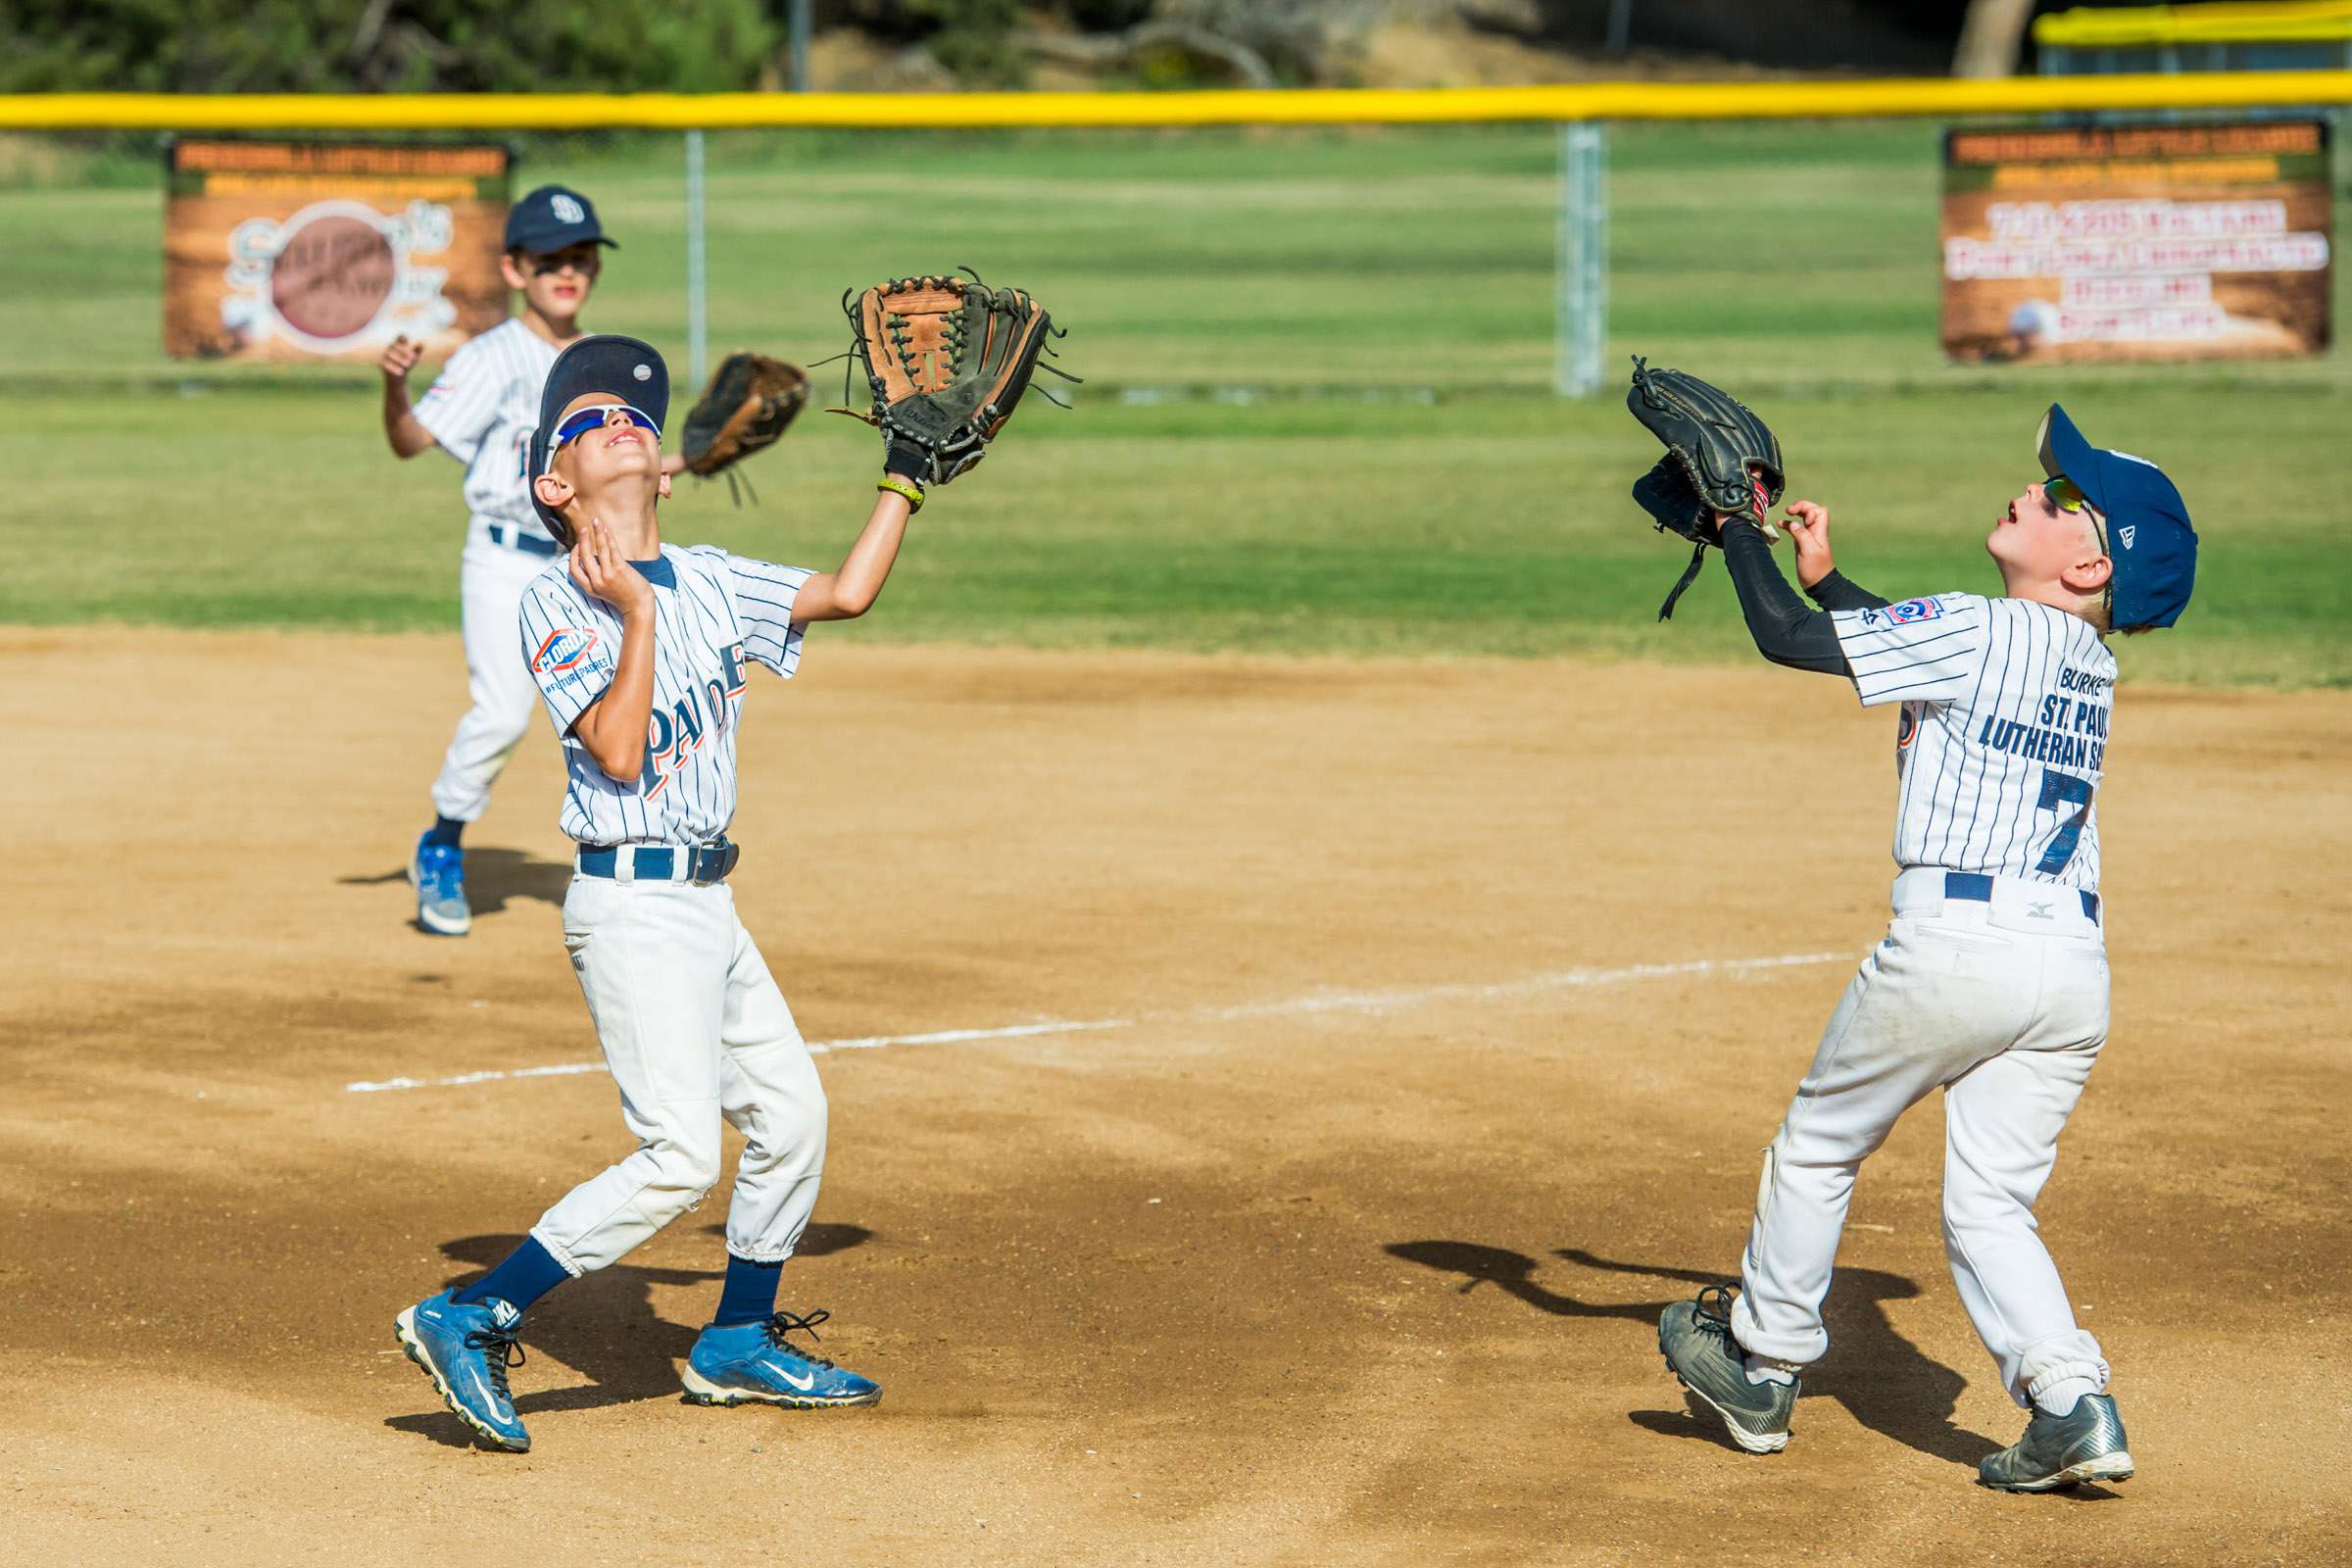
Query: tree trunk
(1990, 37)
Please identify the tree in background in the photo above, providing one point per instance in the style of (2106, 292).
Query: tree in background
(382, 45)
(975, 39)
(1276, 42)
(1992, 38)
(716, 45)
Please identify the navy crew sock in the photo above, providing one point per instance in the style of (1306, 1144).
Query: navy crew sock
(529, 1272)
(444, 832)
(750, 1293)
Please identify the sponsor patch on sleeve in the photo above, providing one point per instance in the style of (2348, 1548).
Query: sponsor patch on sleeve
(1914, 610)
(563, 649)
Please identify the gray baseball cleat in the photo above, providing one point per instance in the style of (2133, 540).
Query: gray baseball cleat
(2060, 1451)
(1695, 1338)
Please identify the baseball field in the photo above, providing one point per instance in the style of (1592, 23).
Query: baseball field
(1307, 964)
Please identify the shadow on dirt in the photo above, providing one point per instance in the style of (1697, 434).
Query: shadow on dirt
(493, 878)
(1881, 1379)
(603, 1326)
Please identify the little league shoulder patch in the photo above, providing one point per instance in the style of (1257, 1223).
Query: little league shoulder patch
(562, 650)
(1914, 610)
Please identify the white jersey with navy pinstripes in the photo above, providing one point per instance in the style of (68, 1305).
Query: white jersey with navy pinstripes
(712, 611)
(2004, 732)
(481, 410)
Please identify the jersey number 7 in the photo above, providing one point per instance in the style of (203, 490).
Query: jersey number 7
(2060, 790)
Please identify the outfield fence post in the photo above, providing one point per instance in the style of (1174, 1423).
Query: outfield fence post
(697, 313)
(1581, 271)
(797, 33)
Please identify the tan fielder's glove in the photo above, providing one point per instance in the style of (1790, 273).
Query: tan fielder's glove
(947, 359)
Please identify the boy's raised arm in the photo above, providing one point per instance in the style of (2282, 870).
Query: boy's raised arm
(850, 589)
(1787, 630)
(402, 430)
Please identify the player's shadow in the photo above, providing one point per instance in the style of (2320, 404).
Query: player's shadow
(493, 878)
(1881, 1379)
(603, 1326)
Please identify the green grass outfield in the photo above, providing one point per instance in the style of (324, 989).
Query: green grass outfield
(1316, 420)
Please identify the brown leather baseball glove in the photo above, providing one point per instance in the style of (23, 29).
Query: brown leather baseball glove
(745, 409)
(946, 361)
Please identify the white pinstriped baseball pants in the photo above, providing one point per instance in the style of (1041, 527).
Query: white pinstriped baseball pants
(2005, 1018)
(694, 1031)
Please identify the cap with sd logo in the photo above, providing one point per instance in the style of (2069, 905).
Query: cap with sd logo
(551, 218)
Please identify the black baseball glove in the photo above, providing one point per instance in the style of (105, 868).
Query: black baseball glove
(1720, 458)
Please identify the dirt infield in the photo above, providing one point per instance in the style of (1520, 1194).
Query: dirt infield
(1435, 1013)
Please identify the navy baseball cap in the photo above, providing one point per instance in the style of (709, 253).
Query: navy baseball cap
(2153, 548)
(624, 368)
(551, 217)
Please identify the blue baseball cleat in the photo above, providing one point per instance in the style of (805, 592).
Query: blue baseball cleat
(438, 875)
(744, 1363)
(466, 1349)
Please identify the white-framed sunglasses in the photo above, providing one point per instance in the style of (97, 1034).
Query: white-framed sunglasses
(596, 418)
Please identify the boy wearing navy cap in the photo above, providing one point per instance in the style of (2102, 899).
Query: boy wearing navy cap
(641, 654)
(1991, 982)
(480, 411)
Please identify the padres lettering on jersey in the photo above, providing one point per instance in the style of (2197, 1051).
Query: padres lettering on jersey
(712, 611)
(481, 408)
(2004, 732)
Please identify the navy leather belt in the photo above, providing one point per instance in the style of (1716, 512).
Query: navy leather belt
(1975, 886)
(530, 544)
(701, 863)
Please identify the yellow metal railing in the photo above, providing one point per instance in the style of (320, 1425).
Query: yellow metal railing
(2168, 26)
(1587, 101)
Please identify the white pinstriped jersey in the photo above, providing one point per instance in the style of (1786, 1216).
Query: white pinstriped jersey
(712, 613)
(483, 408)
(2004, 732)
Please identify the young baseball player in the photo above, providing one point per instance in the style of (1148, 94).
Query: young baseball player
(641, 654)
(479, 411)
(1991, 981)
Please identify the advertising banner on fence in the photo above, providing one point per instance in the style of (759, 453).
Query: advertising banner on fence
(304, 250)
(2137, 242)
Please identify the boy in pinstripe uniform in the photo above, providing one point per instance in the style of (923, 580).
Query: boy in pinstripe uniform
(1992, 983)
(480, 409)
(640, 653)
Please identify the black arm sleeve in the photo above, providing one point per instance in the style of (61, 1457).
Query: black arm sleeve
(1835, 592)
(1786, 632)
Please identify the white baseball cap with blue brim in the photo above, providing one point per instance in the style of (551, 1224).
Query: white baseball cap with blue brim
(2153, 548)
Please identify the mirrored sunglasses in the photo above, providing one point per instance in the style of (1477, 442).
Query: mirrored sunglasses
(596, 418)
(2064, 493)
(2068, 495)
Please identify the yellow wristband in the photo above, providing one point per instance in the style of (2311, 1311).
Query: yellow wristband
(903, 487)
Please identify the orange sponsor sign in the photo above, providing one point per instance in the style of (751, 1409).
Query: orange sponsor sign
(301, 250)
(2138, 242)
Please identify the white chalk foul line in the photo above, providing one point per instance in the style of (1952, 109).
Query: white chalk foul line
(1385, 1000)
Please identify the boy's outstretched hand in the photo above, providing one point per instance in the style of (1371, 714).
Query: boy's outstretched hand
(1809, 526)
(602, 571)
